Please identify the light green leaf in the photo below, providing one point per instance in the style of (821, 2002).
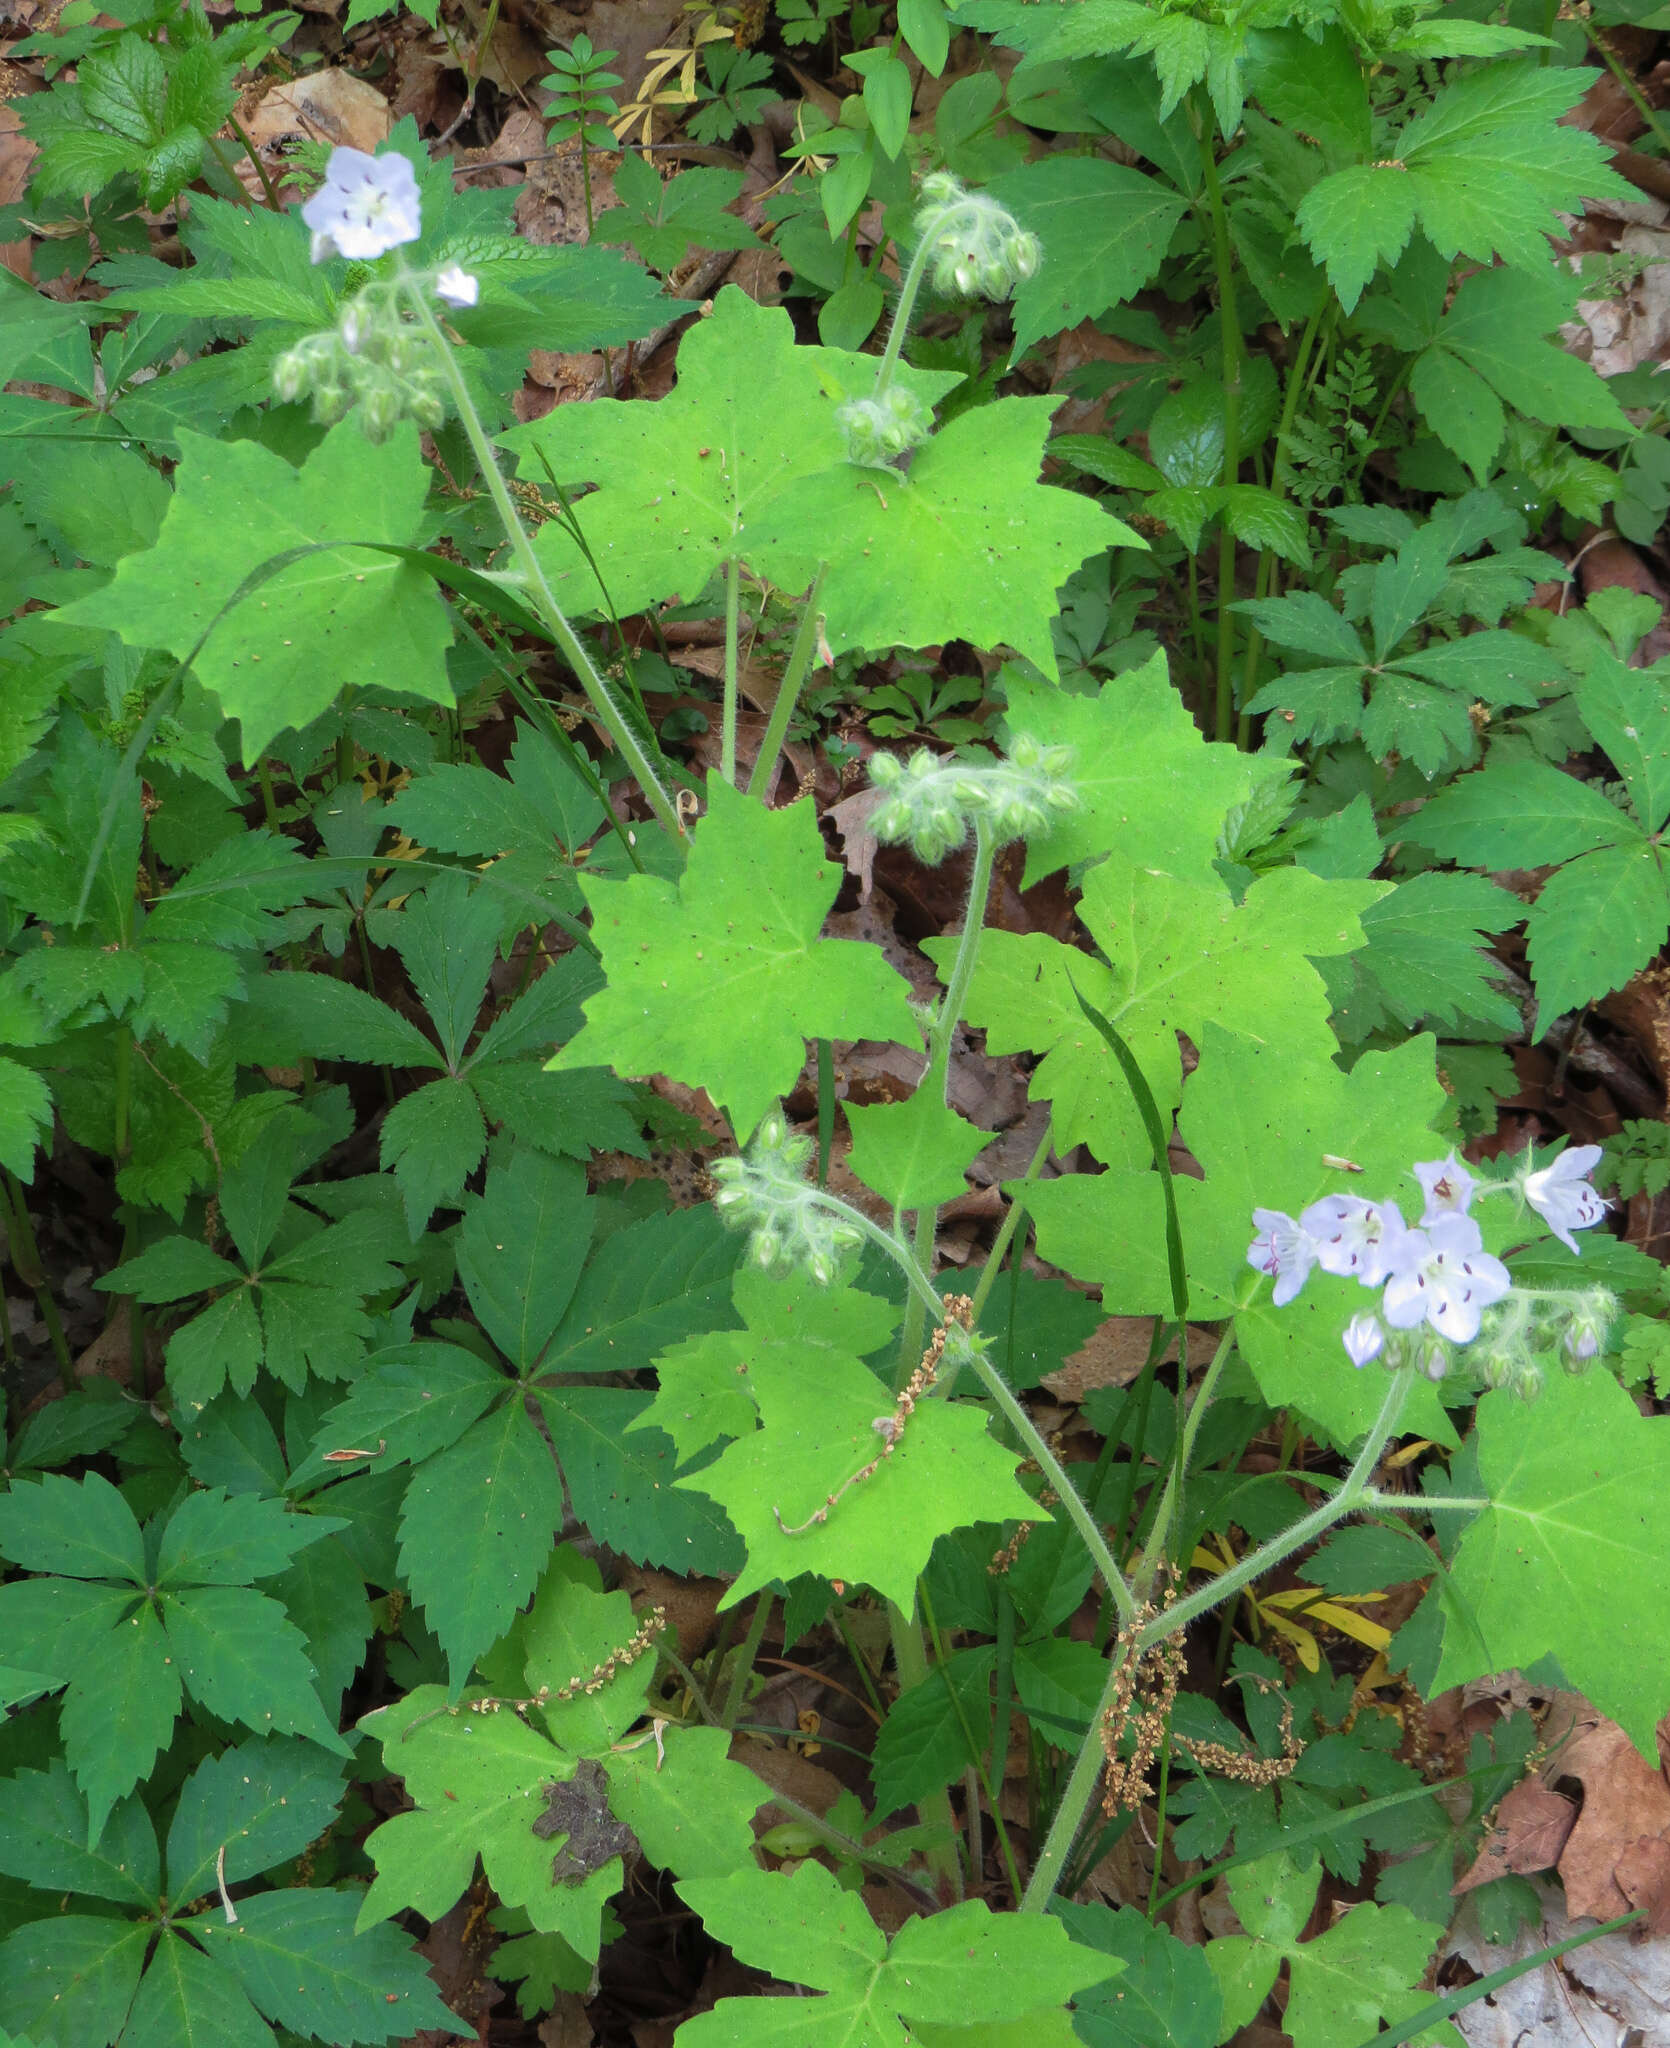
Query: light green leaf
(944, 1471)
(278, 658)
(25, 1117)
(969, 546)
(1579, 1482)
(667, 514)
(1597, 922)
(914, 1154)
(691, 1807)
(1180, 953)
(704, 1385)
(1263, 1122)
(1356, 220)
(804, 1929)
(476, 1780)
(1104, 231)
(736, 937)
(1149, 786)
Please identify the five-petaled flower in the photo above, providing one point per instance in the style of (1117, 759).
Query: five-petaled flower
(1442, 1275)
(1283, 1249)
(1353, 1238)
(1561, 1195)
(1448, 1188)
(366, 206)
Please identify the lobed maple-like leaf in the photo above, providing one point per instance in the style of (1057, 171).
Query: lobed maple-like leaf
(1579, 1485)
(719, 979)
(278, 657)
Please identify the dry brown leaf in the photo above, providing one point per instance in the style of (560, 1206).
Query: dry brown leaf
(1611, 1993)
(566, 2024)
(17, 157)
(1531, 1828)
(1625, 1802)
(1113, 1354)
(326, 106)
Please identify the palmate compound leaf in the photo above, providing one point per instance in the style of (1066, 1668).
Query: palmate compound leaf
(1263, 1121)
(970, 546)
(479, 1780)
(279, 657)
(1165, 1996)
(805, 1929)
(1182, 954)
(1149, 786)
(128, 1652)
(1562, 1562)
(1483, 168)
(945, 1471)
(681, 482)
(717, 980)
(1366, 1968)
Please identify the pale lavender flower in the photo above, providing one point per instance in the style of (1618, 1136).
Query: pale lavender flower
(1283, 1249)
(1448, 1188)
(457, 286)
(1442, 1275)
(1363, 1340)
(366, 206)
(1562, 1196)
(1353, 1237)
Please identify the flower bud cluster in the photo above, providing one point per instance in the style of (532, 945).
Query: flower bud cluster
(1440, 1289)
(932, 802)
(880, 429)
(766, 1193)
(977, 246)
(377, 358)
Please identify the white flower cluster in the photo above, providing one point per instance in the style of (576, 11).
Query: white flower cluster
(933, 802)
(378, 357)
(767, 1194)
(1439, 1286)
(977, 244)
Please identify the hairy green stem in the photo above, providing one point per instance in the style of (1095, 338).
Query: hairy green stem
(1081, 1785)
(906, 308)
(788, 689)
(534, 583)
(936, 1075)
(733, 606)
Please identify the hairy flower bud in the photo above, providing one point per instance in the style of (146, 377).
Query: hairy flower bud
(878, 430)
(932, 803)
(976, 244)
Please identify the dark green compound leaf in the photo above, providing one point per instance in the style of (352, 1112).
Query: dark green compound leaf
(43, 1841)
(477, 1525)
(301, 1963)
(69, 1982)
(924, 1744)
(1164, 1995)
(184, 1996)
(261, 1801)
